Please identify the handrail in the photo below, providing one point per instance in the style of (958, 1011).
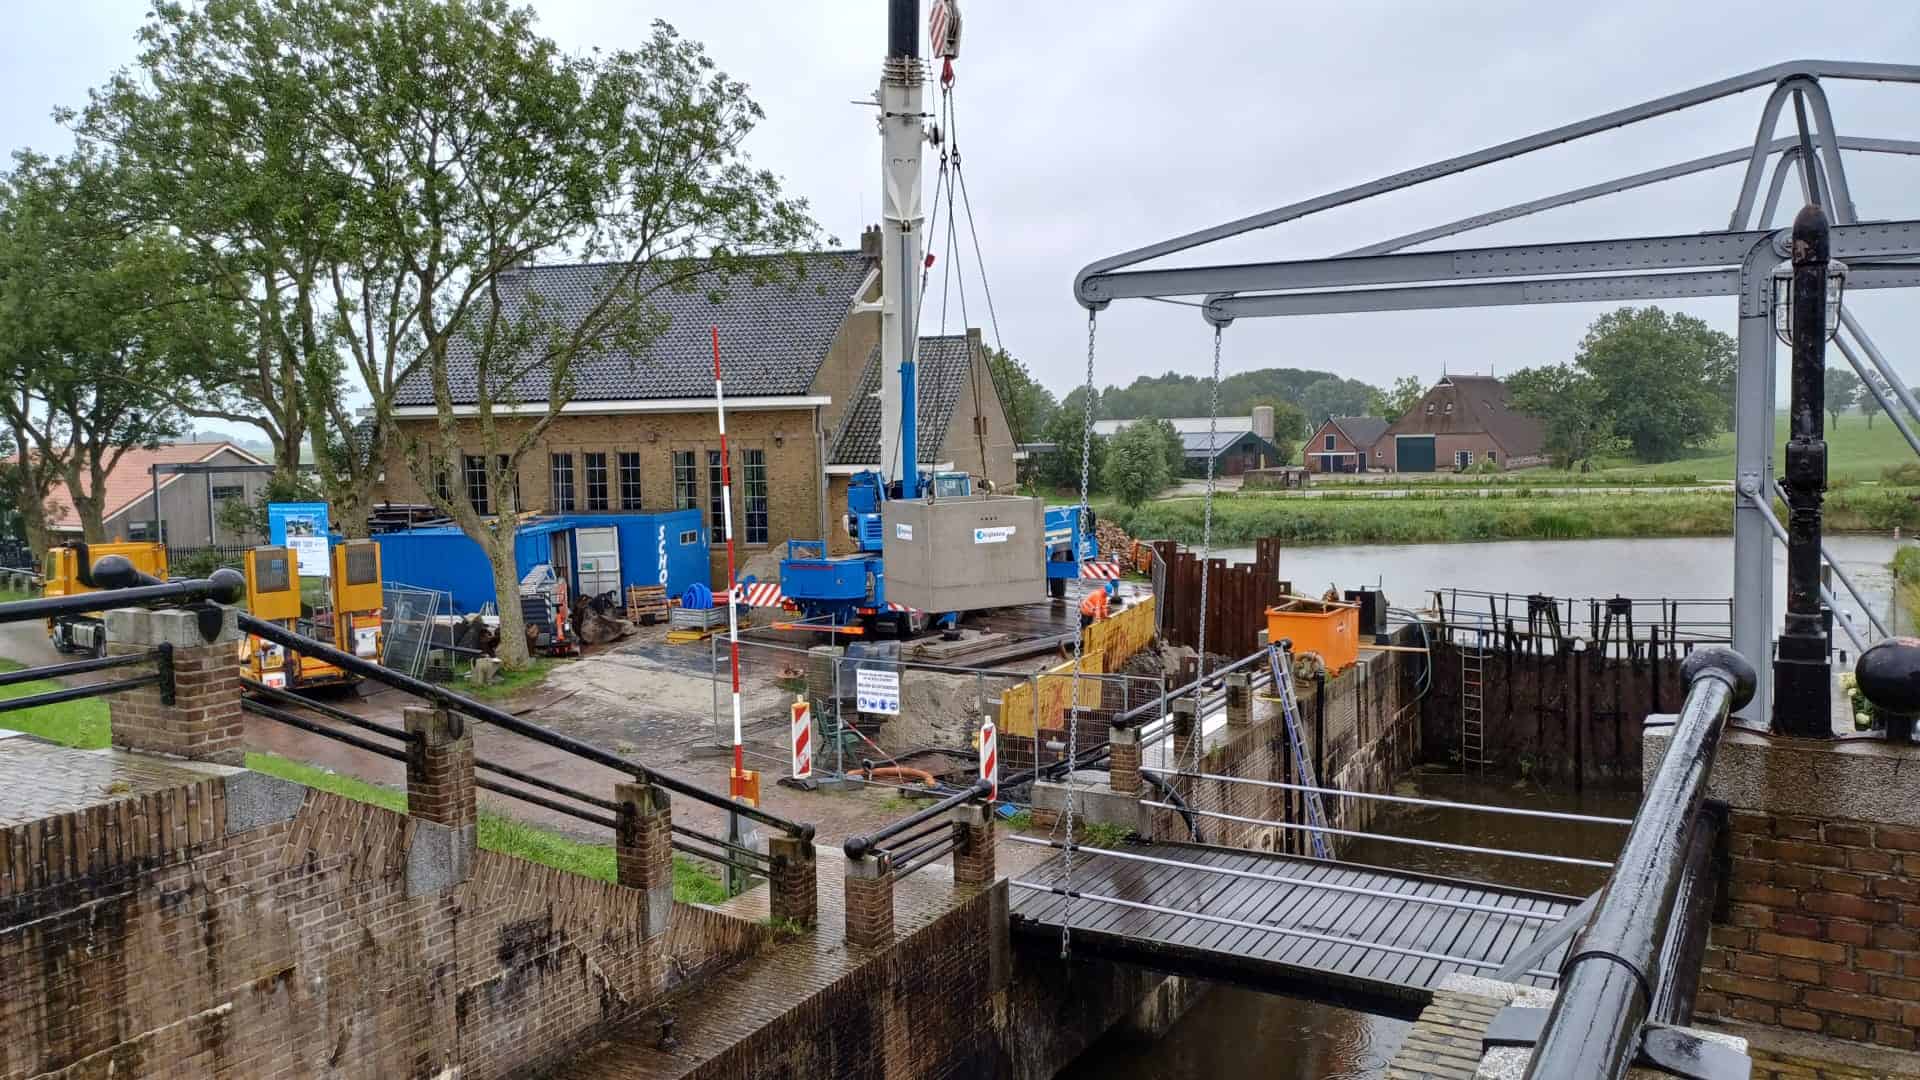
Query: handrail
(224, 586)
(857, 847)
(1612, 974)
(444, 697)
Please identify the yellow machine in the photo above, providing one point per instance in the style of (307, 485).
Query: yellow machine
(357, 598)
(86, 633)
(273, 594)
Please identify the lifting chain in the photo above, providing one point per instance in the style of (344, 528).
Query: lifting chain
(1079, 636)
(1198, 742)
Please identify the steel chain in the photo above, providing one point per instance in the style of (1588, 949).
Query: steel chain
(1206, 554)
(1080, 635)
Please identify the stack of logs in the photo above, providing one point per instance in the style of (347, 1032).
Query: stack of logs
(1237, 597)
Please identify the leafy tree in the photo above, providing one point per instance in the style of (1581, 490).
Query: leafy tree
(1029, 405)
(1570, 405)
(1174, 394)
(1136, 466)
(1061, 468)
(1870, 405)
(1843, 392)
(1334, 396)
(96, 308)
(1658, 377)
(1393, 403)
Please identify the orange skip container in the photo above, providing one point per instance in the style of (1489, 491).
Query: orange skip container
(1333, 632)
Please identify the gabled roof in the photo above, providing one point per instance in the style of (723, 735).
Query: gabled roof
(773, 335)
(1361, 431)
(1480, 406)
(1181, 424)
(1198, 444)
(943, 366)
(129, 482)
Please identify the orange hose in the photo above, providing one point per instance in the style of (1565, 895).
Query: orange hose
(902, 772)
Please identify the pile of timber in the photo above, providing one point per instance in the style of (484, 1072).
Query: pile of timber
(646, 604)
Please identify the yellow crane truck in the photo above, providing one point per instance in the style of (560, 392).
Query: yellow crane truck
(351, 624)
(69, 568)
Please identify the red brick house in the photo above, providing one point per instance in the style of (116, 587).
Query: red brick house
(1345, 444)
(1463, 422)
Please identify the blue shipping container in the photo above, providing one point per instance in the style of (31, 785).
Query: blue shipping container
(656, 547)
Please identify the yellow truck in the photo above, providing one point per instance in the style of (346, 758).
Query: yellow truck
(351, 623)
(62, 577)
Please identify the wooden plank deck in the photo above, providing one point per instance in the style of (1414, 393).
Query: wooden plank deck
(1273, 958)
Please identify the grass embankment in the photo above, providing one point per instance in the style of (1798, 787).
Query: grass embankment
(1906, 586)
(84, 724)
(1517, 515)
(1527, 478)
(505, 683)
(1855, 452)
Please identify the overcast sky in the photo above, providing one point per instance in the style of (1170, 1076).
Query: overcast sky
(1092, 128)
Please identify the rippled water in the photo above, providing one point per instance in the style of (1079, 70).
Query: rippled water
(1232, 1033)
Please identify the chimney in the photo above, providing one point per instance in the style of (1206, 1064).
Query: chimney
(1263, 421)
(870, 241)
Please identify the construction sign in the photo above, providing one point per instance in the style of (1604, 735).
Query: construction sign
(802, 741)
(990, 759)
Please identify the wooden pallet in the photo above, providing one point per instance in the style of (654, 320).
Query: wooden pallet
(647, 604)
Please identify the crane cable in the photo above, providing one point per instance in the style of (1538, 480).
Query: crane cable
(1079, 644)
(1197, 743)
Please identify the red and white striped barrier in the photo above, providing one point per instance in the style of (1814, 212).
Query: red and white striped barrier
(762, 594)
(1100, 571)
(990, 759)
(802, 741)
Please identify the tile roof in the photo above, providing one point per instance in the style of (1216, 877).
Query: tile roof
(1360, 430)
(1480, 405)
(1196, 443)
(130, 481)
(773, 335)
(943, 367)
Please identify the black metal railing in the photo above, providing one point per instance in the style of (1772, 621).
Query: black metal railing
(1612, 625)
(920, 838)
(579, 805)
(116, 585)
(1617, 969)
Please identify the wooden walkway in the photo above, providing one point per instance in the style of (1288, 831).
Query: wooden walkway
(1272, 959)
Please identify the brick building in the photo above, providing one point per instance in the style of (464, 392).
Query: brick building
(799, 353)
(1346, 444)
(1463, 422)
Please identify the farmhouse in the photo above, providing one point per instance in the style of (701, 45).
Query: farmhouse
(1463, 422)
(1346, 444)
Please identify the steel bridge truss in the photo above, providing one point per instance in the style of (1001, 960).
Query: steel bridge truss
(1735, 261)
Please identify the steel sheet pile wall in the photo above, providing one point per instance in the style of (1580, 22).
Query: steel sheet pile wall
(1237, 597)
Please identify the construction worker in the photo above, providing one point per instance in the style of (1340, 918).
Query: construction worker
(1097, 604)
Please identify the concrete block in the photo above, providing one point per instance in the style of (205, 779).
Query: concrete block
(440, 857)
(1091, 802)
(486, 670)
(1833, 779)
(181, 629)
(255, 800)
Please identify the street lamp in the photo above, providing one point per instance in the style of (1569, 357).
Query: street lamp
(1806, 315)
(1783, 298)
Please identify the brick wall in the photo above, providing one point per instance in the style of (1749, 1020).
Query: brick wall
(1823, 922)
(139, 938)
(785, 436)
(1824, 930)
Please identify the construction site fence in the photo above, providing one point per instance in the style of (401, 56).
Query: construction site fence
(941, 706)
(1630, 627)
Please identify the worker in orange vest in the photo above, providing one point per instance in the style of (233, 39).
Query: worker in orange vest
(1097, 604)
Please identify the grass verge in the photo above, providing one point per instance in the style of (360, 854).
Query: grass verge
(506, 683)
(1906, 586)
(80, 723)
(1521, 514)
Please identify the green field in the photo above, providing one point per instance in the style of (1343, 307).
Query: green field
(1855, 452)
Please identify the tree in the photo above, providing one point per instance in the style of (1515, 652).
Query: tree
(1136, 466)
(1334, 396)
(1869, 404)
(1392, 404)
(1029, 405)
(1843, 391)
(1570, 405)
(96, 308)
(1061, 468)
(1658, 377)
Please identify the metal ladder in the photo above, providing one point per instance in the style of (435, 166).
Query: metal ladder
(1473, 732)
(1282, 665)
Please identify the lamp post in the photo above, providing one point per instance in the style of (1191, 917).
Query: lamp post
(1802, 672)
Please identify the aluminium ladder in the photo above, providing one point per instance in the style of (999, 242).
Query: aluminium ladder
(1282, 664)
(1473, 731)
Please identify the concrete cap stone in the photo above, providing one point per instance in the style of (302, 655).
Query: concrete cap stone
(179, 628)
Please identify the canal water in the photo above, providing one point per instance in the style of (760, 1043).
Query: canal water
(1699, 568)
(1232, 1033)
